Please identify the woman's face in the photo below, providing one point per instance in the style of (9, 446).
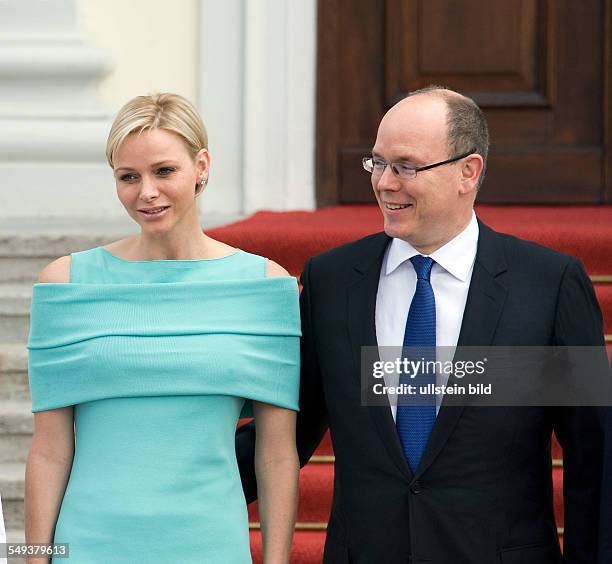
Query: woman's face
(156, 179)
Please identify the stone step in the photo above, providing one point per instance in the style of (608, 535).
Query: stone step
(15, 536)
(27, 245)
(22, 269)
(15, 312)
(25, 252)
(12, 485)
(16, 427)
(13, 372)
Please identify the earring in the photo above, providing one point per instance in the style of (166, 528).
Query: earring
(202, 185)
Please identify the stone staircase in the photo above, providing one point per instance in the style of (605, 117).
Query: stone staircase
(16, 426)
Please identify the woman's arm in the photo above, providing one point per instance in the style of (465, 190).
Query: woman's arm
(51, 453)
(277, 470)
(47, 471)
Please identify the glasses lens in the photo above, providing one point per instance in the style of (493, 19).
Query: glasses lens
(378, 166)
(403, 170)
(367, 164)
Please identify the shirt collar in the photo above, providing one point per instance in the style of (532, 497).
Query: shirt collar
(456, 257)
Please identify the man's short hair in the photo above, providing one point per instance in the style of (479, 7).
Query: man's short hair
(465, 123)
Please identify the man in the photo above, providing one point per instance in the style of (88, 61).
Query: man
(479, 489)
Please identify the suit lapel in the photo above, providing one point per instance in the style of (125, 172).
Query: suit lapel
(361, 307)
(483, 308)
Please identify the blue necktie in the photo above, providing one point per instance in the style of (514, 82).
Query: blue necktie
(414, 422)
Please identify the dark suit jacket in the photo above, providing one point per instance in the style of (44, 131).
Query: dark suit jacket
(483, 490)
(605, 525)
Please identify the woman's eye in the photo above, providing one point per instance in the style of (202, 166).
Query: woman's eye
(127, 177)
(165, 171)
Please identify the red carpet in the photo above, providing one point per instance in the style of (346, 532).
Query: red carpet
(604, 295)
(290, 238)
(316, 488)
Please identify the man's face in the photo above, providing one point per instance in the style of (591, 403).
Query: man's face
(414, 131)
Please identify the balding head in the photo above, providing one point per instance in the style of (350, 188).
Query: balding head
(466, 126)
(438, 92)
(419, 121)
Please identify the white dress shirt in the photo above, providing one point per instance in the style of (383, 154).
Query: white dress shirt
(450, 280)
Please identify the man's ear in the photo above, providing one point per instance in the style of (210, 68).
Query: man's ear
(471, 169)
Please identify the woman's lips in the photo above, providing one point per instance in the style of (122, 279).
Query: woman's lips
(154, 213)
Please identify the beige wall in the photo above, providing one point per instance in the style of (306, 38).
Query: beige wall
(153, 43)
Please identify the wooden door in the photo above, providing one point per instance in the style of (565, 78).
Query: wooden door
(540, 69)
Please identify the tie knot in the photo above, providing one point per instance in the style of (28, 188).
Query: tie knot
(422, 266)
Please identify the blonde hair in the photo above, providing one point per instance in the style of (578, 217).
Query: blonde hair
(164, 111)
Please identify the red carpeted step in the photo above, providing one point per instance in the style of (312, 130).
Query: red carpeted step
(290, 238)
(557, 453)
(325, 447)
(316, 487)
(581, 231)
(604, 296)
(307, 547)
(558, 495)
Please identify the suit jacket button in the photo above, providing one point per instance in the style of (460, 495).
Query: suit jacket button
(416, 488)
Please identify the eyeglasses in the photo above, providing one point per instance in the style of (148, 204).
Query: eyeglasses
(404, 171)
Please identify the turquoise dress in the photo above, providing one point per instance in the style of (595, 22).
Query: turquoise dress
(154, 476)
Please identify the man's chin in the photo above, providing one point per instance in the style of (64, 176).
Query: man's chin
(397, 231)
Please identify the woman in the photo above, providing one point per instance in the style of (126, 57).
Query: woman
(149, 348)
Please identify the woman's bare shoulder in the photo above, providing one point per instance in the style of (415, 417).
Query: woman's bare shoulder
(275, 269)
(57, 271)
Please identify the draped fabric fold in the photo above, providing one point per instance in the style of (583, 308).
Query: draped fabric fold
(238, 338)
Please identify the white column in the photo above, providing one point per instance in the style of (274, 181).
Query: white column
(301, 103)
(52, 126)
(220, 103)
(258, 101)
(279, 104)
